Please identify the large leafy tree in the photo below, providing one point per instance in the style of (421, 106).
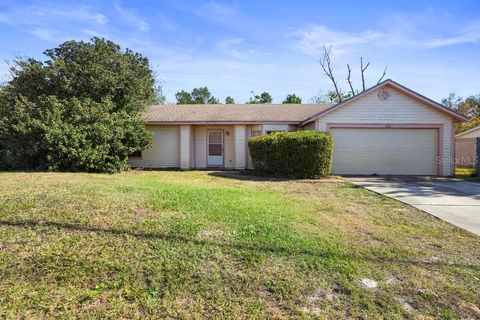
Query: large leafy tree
(76, 111)
(198, 96)
(264, 97)
(469, 106)
(292, 98)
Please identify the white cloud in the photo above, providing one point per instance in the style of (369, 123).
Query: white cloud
(224, 14)
(213, 8)
(469, 34)
(4, 18)
(130, 16)
(38, 15)
(44, 21)
(46, 34)
(311, 40)
(164, 23)
(236, 48)
(93, 33)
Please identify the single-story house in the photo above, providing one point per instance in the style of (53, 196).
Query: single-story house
(387, 129)
(466, 147)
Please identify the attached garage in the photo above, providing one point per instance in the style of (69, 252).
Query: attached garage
(165, 150)
(390, 130)
(385, 151)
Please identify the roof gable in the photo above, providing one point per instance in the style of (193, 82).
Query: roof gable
(404, 90)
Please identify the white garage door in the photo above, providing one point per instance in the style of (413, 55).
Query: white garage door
(384, 151)
(164, 152)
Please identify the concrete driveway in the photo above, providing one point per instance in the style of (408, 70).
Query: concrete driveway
(452, 200)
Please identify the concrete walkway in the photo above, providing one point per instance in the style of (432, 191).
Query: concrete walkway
(452, 200)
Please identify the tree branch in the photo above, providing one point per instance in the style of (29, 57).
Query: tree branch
(325, 62)
(383, 75)
(362, 71)
(349, 79)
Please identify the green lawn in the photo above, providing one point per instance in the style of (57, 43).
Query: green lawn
(196, 245)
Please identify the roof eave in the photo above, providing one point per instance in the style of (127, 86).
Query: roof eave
(230, 122)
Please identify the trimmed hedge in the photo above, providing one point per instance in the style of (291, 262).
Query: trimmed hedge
(298, 154)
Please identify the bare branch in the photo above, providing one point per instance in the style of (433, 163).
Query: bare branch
(325, 62)
(349, 80)
(383, 75)
(362, 71)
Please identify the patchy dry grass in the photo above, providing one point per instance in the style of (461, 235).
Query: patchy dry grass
(216, 245)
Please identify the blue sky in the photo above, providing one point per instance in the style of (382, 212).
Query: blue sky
(235, 47)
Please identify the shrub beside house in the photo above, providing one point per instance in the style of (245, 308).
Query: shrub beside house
(298, 154)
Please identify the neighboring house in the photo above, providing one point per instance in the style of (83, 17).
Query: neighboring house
(466, 147)
(388, 129)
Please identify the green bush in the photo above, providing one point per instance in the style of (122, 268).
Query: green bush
(299, 154)
(76, 111)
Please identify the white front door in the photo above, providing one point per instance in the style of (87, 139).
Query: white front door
(215, 148)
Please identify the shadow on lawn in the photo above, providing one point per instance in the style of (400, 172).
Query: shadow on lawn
(243, 246)
(246, 176)
(251, 176)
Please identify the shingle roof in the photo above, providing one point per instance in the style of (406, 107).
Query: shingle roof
(230, 113)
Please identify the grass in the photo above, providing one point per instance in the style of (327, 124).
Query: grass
(466, 173)
(196, 245)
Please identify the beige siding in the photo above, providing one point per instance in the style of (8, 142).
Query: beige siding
(250, 129)
(292, 127)
(185, 146)
(465, 151)
(398, 109)
(256, 127)
(309, 126)
(249, 158)
(200, 145)
(276, 127)
(165, 149)
(384, 151)
(240, 146)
